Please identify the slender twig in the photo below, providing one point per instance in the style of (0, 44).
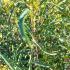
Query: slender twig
(42, 65)
(34, 41)
(30, 62)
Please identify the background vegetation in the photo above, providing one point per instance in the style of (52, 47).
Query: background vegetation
(35, 34)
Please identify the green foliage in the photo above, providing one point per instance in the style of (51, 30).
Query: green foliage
(35, 34)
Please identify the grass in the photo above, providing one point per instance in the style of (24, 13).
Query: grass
(34, 34)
